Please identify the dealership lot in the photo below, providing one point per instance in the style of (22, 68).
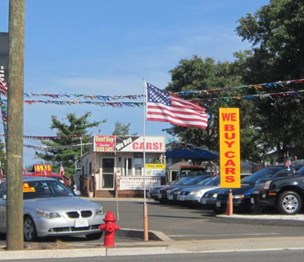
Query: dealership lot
(184, 223)
(188, 224)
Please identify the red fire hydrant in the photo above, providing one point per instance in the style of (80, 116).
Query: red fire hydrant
(109, 227)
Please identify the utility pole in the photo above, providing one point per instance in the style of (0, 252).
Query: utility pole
(14, 204)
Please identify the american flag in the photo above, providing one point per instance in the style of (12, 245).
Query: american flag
(164, 107)
(3, 87)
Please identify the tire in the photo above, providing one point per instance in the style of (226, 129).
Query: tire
(29, 229)
(94, 236)
(289, 203)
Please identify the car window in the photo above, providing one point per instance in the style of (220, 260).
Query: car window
(213, 182)
(301, 170)
(45, 189)
(261, 174)
(183, 180)
(196, 179)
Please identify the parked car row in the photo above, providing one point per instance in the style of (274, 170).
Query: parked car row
(276, 186)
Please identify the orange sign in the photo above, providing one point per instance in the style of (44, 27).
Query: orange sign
(42, 168)
(230, 164)
(27, 188)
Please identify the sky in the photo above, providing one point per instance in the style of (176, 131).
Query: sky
(99, 47)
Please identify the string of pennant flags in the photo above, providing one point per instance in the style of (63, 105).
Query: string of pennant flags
(274, 90)
(106, 100)
(204, 96)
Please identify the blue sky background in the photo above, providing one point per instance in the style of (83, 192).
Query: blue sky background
(100, 47)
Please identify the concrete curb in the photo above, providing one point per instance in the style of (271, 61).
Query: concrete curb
(137, 233)
(173, 247)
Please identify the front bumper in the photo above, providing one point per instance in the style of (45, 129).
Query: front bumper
(263, 198)
(65, 226)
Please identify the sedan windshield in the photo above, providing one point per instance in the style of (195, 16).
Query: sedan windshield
(45, 189)
(266, 172)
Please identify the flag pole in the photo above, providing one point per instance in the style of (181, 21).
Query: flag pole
(146, 227)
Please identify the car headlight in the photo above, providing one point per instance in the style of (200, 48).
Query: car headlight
(214, 195)
(47, 214)
(238, 196)
(99, 211)
(267, 185)
(195, 193)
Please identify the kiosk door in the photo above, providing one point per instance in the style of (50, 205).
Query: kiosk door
(108, 173)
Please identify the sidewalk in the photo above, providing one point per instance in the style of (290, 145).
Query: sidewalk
(167, 247)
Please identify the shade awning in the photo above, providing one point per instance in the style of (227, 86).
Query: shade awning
(193, 153)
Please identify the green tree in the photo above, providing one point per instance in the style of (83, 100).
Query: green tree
(275, 32)
(71, 138)
(121, 129)
(203, 75)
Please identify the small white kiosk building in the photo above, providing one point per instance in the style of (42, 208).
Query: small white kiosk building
(115, 166)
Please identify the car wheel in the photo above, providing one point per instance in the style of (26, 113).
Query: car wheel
(94, 236)
(29, 229)
(289, 203)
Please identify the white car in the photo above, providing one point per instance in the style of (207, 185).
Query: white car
(52, 209)
(192, 195)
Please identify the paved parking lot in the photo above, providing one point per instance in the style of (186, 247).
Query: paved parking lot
(179, 223)
(183, 223)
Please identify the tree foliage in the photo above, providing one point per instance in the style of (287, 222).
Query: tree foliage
(72, 139)
(121, 129)
(275, 32)
(199, 74)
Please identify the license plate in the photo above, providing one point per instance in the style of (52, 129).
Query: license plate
(81, 223)
(218, 203)
(252, 200)
(204, 201)
(170, 197)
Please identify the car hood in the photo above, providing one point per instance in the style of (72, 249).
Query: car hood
(237, 191)
(197, 187)
(60, 203)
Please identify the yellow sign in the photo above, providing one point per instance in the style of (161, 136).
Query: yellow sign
(43, 167)
(155, 166)
(27, 188)
(230, 164)
(155, 169)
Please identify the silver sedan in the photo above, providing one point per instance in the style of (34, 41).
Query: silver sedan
(52, 209)
(193, 194)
